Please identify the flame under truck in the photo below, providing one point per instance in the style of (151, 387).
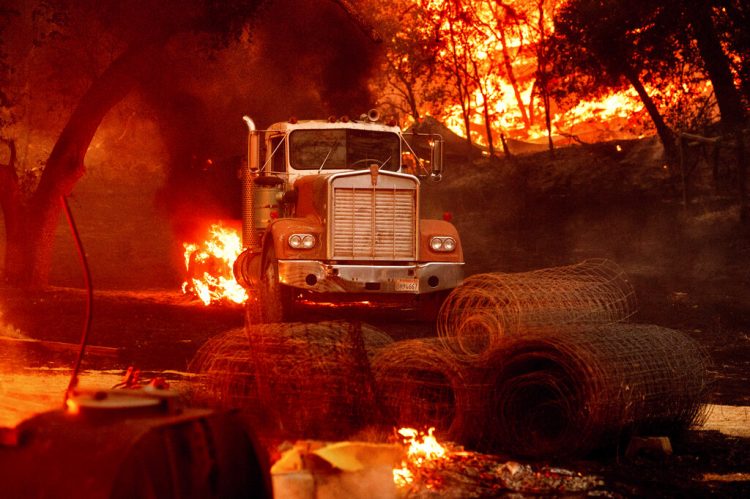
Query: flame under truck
(331, 214)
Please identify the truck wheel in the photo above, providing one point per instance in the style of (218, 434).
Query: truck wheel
(276, 299)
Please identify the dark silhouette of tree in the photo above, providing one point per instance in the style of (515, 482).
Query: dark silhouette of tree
(142, 31)
(732, 17)
(606, 41)
(700, 18)
(543, 69)
(636, 39)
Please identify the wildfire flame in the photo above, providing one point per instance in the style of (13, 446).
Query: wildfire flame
(209, 267)
(511, 91)
(422, 447)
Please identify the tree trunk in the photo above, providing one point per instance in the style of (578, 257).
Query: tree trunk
(65, 163)
(11, 201)
(548, 120)
(727, 96)
(407, 91)
(488, 127)
(485, 108)
(466, 111)
(413, 105)
(739, 13)
(542, 79)
(665, 133)
(716, 63)
(513, 82)
(459, 71)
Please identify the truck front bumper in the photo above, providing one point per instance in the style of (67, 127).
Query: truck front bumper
(418, 278)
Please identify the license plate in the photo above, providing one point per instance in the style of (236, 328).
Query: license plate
(407, 285)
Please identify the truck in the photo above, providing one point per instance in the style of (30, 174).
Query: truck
(331, 216)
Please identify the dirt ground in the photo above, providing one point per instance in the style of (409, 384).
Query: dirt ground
(689, 264)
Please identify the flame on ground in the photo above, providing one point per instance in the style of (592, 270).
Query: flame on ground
(422, 447)
(209, 267)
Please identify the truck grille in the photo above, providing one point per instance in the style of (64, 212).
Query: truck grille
(373, 223)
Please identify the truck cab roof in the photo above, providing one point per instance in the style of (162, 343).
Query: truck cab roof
(300, 148)
(288, 126)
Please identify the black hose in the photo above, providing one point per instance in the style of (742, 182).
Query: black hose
(89, 297)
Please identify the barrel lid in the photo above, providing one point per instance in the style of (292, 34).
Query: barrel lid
(112, 401)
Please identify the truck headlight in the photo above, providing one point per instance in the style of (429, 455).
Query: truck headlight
(442, 243)
(301, 241)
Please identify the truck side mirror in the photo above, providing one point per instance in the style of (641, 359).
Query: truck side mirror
(436, 158)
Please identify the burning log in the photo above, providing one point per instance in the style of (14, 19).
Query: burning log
(488, 308)
(295, 380)
(561, 395)
(421, 384)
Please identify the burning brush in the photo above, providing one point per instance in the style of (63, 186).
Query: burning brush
(209, 267)
(432, 469)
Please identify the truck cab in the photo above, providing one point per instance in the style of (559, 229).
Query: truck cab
(331, 216)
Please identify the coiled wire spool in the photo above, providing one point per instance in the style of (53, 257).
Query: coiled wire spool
(562, 395)
(487, 308)
(294, 380)
(421, 384)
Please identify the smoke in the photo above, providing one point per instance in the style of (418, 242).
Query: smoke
(306, 59)
(315, 44)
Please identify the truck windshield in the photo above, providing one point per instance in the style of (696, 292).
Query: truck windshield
(344, 149)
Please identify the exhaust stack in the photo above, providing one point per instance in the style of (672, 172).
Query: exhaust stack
(249, 172)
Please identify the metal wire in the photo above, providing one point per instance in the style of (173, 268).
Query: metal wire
(294, 380)
(89, 298)
(560, 395)
(420, 384)
(487, 308)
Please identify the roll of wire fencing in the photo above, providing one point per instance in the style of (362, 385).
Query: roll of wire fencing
(420, 384)
(294, 380)
(563, 395)
(488, 308)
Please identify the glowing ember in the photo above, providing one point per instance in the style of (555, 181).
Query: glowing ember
(423, 447)
(209, 267)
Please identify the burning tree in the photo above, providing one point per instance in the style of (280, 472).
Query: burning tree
(484, 55)
(628, 66)
(410, 79)
(638, 40)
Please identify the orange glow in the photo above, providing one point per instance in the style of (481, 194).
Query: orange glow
(26, 392)
(497, 57)
(72, 407)
(331, 304)
(209, 267)
(422, 448)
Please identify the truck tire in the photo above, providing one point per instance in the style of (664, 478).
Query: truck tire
(276, 299)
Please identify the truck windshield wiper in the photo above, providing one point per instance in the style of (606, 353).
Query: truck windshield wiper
(327, 156)
(384, 162)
